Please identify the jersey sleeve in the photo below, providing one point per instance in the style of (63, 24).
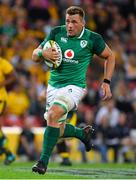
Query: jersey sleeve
(51, 36)
(7, 68)
(98, 44)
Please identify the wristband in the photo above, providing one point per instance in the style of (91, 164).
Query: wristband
(106, 81)
(40, 54)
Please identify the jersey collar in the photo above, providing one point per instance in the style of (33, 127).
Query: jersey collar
(81, 34)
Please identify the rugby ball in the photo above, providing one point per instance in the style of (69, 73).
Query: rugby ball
(53, 44)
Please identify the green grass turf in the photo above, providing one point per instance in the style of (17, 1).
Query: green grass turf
(77, 171)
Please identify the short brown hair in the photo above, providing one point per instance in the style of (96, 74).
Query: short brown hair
(75, 10)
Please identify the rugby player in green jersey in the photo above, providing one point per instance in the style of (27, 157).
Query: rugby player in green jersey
(67, 84)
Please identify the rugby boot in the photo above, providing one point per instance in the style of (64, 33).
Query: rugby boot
(9, 159)
(88, 130)
(39, 167)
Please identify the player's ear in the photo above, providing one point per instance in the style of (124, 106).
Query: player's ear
(83, 22)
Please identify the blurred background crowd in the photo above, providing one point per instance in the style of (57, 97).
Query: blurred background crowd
(24, 24)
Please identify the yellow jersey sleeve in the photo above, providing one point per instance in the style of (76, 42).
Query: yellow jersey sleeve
(6, 67)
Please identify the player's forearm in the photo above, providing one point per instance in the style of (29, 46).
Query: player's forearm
(109, 66)
(37, 55)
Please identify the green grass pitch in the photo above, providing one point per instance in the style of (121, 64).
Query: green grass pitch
(19, 170)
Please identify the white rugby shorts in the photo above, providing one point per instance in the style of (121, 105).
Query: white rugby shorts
(68, 97)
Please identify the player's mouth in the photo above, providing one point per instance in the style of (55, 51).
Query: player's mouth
(70, 32)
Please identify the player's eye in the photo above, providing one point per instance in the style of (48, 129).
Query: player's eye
(67, 21)
(74, 22)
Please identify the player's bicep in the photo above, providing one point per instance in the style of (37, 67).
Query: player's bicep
(106, 52)
(98, 44)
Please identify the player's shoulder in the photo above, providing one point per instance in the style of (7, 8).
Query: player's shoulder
(3, 61)
(5, 65)
(92, 34)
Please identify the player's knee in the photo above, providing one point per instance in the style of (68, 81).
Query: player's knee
(55, 113)
(51, 116)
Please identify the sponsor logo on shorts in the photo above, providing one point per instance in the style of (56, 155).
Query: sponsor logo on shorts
(70, 90)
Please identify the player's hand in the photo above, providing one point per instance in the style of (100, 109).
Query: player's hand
(50, 54)
(106, 91)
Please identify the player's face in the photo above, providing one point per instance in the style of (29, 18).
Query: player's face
(74, 24)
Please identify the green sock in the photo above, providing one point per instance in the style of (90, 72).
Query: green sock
(51, 136)
(72, 131)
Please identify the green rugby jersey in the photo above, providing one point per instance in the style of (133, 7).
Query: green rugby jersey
(77, 53)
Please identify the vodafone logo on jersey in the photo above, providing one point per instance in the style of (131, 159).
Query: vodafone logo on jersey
(69, 54)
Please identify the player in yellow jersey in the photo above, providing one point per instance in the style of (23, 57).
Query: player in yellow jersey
(7, 76)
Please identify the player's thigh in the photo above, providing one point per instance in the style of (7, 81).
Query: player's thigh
(60, 97)
(52, 109)
(67, 98)
(76, 93)
(50, 95)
